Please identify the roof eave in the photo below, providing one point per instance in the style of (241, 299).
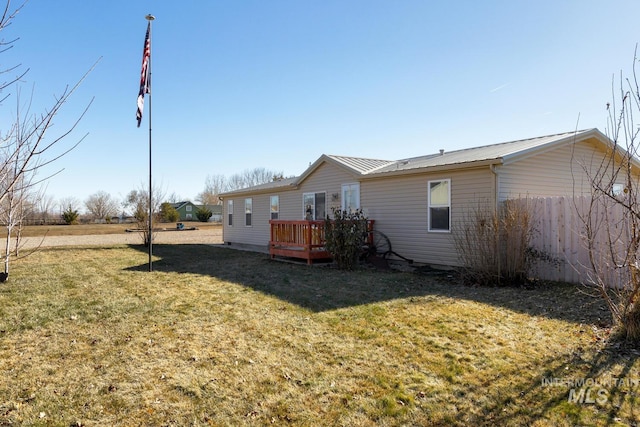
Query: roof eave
(574, 138)
(252, 190)
(437, 168)
(325, 159)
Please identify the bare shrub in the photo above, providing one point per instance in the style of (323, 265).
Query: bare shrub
(345, 235)
(493, 244)
(611, 216)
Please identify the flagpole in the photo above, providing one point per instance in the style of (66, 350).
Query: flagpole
(150, 18)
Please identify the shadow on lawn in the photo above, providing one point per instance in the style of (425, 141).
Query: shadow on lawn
(584, 388)
(320, 288)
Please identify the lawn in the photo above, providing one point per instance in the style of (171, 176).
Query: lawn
(216, 336)
(93, 229)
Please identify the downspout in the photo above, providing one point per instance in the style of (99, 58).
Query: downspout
(496, 182)
(494, 171)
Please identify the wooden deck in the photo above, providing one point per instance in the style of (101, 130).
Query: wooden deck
(299, 239)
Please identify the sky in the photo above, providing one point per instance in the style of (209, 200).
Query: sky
(238, 85)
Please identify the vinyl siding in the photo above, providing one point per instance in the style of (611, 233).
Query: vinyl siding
(326, 178)
(555, 173)
(258, 232)
(399, 207)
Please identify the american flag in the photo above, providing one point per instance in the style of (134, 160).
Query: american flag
(145, 75)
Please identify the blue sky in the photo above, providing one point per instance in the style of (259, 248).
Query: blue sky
(275, 84)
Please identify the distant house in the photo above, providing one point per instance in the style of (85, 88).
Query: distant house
(216, 211)
(187, 210)
(416, 201)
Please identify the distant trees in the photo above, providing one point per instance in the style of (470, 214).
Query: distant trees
(213, 186)
(102, 206)
(43, 209)
(217, 184)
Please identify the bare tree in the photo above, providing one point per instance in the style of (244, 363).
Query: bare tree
(611, 215)
(43, 209)
(26, 147)
(217, 184)
(213, 186)
(102, 206)
(5, 20)
(175, 198)
(67, 203)
(138, 201)
(257, 176)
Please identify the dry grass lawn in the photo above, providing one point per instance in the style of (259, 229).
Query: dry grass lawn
(221, 337)
(97, 229)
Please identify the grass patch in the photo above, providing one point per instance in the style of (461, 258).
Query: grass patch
(93, 229)
(221, 337)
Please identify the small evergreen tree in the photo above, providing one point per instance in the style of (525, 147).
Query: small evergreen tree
(70, 216)
(203, 214)
(168, 213)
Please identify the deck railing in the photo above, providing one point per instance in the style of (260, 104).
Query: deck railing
(299, 239)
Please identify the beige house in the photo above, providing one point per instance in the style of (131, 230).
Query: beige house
(417, 201)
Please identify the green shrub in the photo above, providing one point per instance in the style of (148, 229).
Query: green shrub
(168, 213)
(203, 214)
(344, 236)
(70, 216)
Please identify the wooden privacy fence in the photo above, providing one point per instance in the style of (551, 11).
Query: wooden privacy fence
(560, 238)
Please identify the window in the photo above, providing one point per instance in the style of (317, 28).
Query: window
(248, 210)
(618, 190)
(189, 208)
(275, 207)
(189, 217)
(350, 197)
(314, 206)
(439, 205)
(230, 211)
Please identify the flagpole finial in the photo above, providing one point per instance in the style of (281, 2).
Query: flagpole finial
(149, 17)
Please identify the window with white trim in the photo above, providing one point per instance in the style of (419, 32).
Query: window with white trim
(439, 201)
(314, 206)
(230, 211)
(248, 211)
(275, 207)
(189, 208)
(618, 190)
(350, 197)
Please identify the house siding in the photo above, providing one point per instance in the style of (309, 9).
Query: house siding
(558, 172)
(326, 178)
(256, 234)
(398, 201)
(402, 215)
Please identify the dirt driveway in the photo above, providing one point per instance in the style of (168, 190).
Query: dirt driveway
(204, 236)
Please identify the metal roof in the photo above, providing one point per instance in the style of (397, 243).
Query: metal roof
(362, 165)
(502, 151)
(495, 153)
